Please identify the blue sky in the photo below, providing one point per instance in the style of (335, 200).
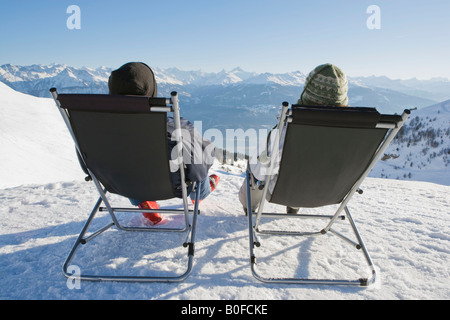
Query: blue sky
(211, 35)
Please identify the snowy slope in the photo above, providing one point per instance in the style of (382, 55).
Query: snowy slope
(44, 202)
(34, 142)
(404, 224)
(421, 151)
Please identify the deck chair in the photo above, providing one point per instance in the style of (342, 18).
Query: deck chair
(326, 154)
(122, 143)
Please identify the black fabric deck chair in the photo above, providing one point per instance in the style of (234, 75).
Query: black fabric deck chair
(122, 142)
(326, 155)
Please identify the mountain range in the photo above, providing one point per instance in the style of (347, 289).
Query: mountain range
(35, 79)
(227, 99)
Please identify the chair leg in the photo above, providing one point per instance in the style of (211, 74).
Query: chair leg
(82, 240)
(254, 242)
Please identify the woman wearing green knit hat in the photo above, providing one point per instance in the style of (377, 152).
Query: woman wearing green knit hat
(326, 85)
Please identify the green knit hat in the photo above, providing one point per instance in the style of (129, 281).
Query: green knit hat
(325, 85)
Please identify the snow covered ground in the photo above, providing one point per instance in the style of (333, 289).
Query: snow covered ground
(405, 226)
(45, 201)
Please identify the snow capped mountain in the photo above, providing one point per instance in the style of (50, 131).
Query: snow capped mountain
(31, 79)
(37, 79)
(296, 78)
(437, 89)
(235, 76)
(211, 97)
(12, 73)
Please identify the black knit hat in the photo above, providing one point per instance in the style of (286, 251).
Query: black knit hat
(133, 78)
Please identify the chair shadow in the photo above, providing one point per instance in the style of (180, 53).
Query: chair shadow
(306, 258)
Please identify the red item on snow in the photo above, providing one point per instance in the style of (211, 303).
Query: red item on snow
(154, 218)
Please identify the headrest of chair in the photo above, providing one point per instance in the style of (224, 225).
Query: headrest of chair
(350, 117)
(109, 103)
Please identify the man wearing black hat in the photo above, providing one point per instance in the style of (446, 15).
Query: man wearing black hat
(137, 78)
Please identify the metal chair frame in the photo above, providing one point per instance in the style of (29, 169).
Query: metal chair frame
(172, 105)
(254, 227)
